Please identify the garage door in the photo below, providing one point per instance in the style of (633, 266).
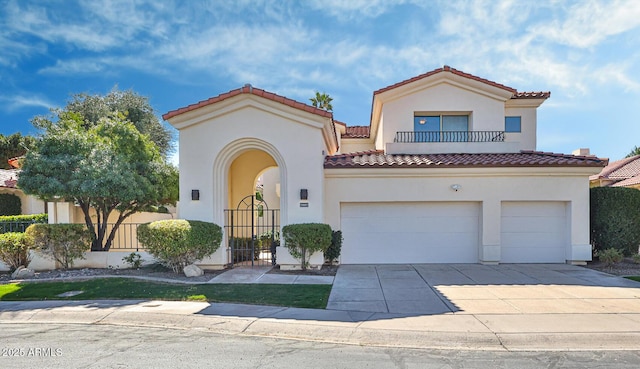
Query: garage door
(425, 232)
(533, 232)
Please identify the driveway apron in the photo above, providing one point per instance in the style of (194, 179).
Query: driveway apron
(481, 289)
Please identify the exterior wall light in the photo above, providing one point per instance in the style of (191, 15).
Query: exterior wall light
(456, 187)
(304, 194)
(195, 195)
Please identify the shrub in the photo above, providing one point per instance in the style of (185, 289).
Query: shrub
(134, 260)
(333, 252)
(615, 219)
(18, 223)
(14, 250)
(302, 240)
(610, 256)
(63, 243)
(177, 243)
(636, 258)
(10, 204)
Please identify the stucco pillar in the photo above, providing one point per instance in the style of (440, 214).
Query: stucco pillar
(490, 225)
(578, 215)
(61, 212)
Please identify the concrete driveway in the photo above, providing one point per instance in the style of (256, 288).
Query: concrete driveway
(420, 289)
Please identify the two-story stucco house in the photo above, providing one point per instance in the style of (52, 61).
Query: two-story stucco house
(446, 172)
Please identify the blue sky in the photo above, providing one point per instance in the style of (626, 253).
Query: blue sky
(587, 53)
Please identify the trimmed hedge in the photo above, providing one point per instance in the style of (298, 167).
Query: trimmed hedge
(14, 249)
(333, 251)
(177, 243)
(615, 219)
(63, 243)
(10, 204)
(18, 223)
(302, 240)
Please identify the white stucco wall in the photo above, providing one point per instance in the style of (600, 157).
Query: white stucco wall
(356, 145)
(485, 113)
(490, 187)
(212, 137)
(526, 138)
(29, 204)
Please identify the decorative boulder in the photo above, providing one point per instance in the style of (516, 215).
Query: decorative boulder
(193, 271)
(22, 273)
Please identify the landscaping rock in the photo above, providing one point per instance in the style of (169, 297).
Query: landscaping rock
(22, 273)
(193, 271)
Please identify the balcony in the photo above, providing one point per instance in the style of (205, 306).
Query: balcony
(449, 136)
(441, 142)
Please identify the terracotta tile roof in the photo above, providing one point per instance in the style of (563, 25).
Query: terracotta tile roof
(378, 159)
(621, 173)
(446, 68)
(629, 182)
(15, 162)
(356, 132)
(248, 89)
(620, 169)
(8, 178)
(532, 95)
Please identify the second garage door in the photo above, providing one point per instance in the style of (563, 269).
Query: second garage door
(423, 232)
(534, 232)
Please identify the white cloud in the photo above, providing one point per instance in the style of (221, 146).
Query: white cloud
(588, 23)
(350, 9)
(18, 102)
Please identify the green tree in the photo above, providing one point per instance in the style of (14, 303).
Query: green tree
(635, 151)
(136, 109)
(322, 101)
(13, 146)
(109, 167)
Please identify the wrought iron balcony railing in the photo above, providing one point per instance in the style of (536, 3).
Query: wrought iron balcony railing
(449, 136)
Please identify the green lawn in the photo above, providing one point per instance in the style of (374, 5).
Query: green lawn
(303, 296)
(634, 278)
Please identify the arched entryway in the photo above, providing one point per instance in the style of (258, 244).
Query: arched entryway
(252, 174)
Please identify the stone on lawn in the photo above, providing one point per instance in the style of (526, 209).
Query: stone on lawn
(193, 271)
(22, 273)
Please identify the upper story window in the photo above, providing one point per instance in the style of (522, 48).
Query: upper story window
(432, 128)
(442, 123)
(512, 124)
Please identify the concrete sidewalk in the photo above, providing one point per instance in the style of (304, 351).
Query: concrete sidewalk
(472, 331)
(260, 274)
(475, 307)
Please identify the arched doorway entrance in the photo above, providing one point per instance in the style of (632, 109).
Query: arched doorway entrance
(252, 216)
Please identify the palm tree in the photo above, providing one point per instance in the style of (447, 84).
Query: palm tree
(634, 152)
(322, 101)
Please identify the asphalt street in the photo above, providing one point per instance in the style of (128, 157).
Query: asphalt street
(93, 346)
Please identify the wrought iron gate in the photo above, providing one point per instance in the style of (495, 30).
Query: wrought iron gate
(253, 231)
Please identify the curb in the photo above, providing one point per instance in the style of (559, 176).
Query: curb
(269, 322)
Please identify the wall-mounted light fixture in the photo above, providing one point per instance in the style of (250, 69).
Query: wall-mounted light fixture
(304, 194)
(422, 121)
(456, 187)
(195, 195)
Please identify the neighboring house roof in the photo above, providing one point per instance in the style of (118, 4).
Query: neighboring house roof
(15, 162)
(620, 173)
(631, 182)
(378, 159)
(8, 178)
(356, 132)
(248, 89)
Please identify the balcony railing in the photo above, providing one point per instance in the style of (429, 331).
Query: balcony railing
(449, 136)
